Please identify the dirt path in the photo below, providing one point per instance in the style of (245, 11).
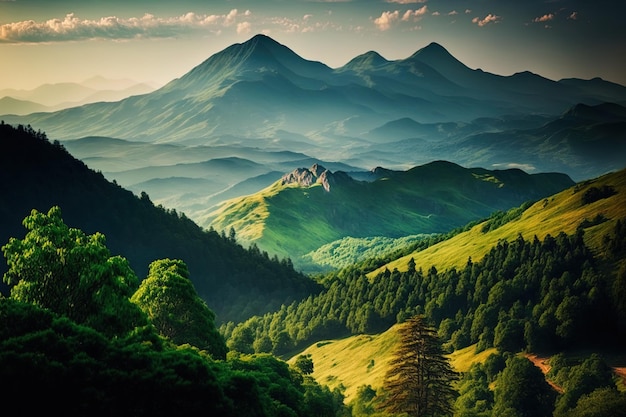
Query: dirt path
(542, 363)
(621, 372)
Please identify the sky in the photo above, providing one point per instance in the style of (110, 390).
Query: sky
(52, 41)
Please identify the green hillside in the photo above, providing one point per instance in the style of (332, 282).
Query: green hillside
(562, 212)
(354, 361)
(235, 282)
(310, 208)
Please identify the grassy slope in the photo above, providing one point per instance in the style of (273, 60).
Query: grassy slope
(363, 360)
(561, 212)
(292, 220)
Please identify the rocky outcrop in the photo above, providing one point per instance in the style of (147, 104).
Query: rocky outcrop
(317, 174)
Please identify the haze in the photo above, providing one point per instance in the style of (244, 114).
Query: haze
(157, 41)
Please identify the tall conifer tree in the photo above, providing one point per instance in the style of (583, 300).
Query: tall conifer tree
(419, 380)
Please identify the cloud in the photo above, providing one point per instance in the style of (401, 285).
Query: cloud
(510, 165)
(388, 18)
(544, 18)
(414, 14)
(244, 28)
(453, 13)
(406, 1)
(72, 28)
(490, 18)
(573, 16)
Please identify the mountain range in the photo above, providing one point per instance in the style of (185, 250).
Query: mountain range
(311, 207)
(291, 103)
(235, 282)
(240, 120)
(54, 97)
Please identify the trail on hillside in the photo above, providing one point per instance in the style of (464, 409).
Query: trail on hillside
(542, 363)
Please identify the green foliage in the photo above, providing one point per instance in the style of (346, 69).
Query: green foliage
(475, 397)
(522, 295)
(236, 282)
(419, 379)
(522, 391)
(364, 404)
(72, 274)
(578, 378)
(292, 220)
(348, 251)
(601, 402)
(170, 301)
(498, 218)
(304, 364)
(593, 194)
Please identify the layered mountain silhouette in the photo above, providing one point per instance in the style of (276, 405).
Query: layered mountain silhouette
(260, 87)
(310, 207)
(235, 282)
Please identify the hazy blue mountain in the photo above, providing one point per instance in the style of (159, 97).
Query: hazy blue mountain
(256, 99)
(10, 105)
(277, 90)
(54, 97)
(37, 174)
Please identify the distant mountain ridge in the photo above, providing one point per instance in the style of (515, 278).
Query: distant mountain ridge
(277, 89)
(311, 207)
(234, 282)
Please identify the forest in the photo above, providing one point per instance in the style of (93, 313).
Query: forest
(84, 333)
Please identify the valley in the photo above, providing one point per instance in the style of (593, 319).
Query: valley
(303, 214)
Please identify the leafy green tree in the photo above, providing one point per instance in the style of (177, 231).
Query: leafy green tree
(602, 402)
(522, 391)
(475, 398)
(420, 378)
(72, 274)
(304, 364)
(167, 296)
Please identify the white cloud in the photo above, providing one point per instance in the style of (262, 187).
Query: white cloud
(406, 1)
(573, 16)
(71, 27)
(386, 19)
(511, 165)
(545, 18)
(244, 28)
(490, 18)
(453, 13)
(414, 14)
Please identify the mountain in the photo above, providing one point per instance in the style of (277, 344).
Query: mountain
(54, 97)
(565, 211)
(541, 281)
(311, 207)
(236, 283)
(278, 90)
(10, 105)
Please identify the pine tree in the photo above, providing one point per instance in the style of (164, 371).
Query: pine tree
(419, 380)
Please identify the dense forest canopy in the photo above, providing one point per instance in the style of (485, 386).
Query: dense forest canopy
(38, 174)
(80, 336)
(86, 331)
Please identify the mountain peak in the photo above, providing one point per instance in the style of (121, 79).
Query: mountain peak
(370, 59)
(438, 57)
(317, 174)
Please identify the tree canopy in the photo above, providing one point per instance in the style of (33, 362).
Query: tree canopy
(170, 301)
(72, 274)
(420, 379)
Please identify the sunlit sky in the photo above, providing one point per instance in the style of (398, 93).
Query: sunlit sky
(50, 41)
